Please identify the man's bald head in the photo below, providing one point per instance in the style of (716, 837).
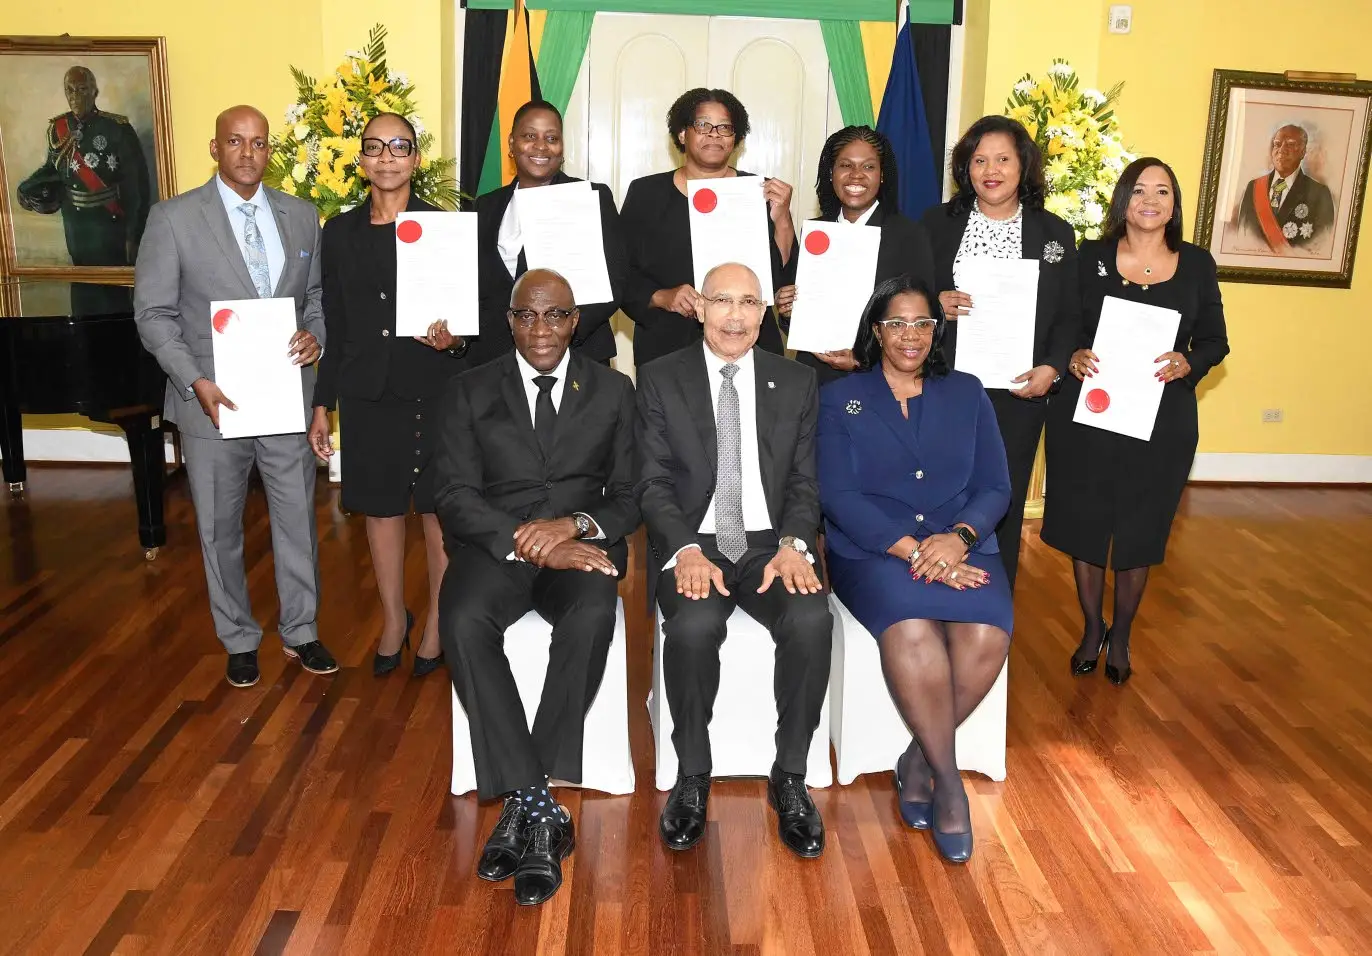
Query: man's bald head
(1289, 144)
(730, 309)
(78, 83)
(733, 274)
(553, 286)
(241, 148)
(543, 318)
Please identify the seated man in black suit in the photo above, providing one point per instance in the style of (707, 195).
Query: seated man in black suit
(727, 487)
(534, 463)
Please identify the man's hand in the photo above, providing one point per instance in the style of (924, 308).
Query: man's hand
(210, 398)
(533, 540)
(680, 299)
(1038, 381)
(438, 337)
(842, 360)
(695, 573)
(304, 348)
(797, 574)
(320, 439)
(578, 556)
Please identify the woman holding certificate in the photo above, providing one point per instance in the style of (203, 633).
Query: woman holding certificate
(998, 214)
(535, 144)
(386, 385)
(707, 127)
(856, 185)
(1114, 496)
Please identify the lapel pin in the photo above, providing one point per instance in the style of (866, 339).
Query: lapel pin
(576, 386)
(771, 384)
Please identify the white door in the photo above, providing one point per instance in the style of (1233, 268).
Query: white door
(636, 65)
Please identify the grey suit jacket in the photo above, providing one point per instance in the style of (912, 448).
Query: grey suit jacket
(189, 258)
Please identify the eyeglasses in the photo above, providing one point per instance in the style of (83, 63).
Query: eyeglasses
(704, 128)
(400, 148)
(554, 318)
(748, 303)
(899, 326)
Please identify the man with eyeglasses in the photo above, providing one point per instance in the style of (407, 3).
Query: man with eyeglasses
(728, 491)
(535, 495)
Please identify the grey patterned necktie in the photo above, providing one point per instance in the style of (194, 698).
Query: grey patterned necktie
(257, 251)
(730, 536)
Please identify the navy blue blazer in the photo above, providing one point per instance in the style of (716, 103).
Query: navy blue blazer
(878, 484)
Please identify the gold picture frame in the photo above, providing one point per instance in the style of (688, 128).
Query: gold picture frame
(135, 75)
(1298, 227)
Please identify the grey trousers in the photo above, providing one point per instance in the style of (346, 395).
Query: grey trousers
(218, 470)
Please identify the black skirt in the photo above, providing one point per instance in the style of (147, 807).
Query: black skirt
(387, 448)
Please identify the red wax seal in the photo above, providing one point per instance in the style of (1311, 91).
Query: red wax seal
(1097, 400)
(705, 200)
(409, 231)
(222, 318)
(817, 243)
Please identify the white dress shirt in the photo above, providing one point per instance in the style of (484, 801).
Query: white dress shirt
(1290, 185)
(755, 516)
(860, 220)
(509, 242)
(266, 224)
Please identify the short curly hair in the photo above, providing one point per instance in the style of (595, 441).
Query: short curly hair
(683, 113)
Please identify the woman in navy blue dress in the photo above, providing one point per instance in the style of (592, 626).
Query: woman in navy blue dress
(912, 480)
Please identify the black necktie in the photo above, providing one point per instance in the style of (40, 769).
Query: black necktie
(545, 416)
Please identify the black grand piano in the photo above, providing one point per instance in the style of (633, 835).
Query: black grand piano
(93, 365)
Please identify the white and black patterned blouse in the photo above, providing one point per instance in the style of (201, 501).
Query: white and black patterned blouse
(997, 238)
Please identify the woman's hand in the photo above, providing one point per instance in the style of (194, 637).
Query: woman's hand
(438, 337)
(786, 297)
(1083, 364)
(1176, 367)
(1037, 381)
(681, 300)
(966, 576)
(954, 304)
(939, 554)
(778, 196)
(319, 437)
(842, 360)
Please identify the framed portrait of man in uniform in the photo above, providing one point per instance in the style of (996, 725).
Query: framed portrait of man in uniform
(1285, 171)
(85, 150)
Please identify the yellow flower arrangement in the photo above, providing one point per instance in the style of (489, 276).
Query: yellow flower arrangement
(1077, 132)
(317, 155)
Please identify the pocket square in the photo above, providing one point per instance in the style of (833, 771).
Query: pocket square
(304, 254)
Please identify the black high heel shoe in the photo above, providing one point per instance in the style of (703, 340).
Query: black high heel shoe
(1118, 675)
(424, 666)
(383, 664)
(1082, 667)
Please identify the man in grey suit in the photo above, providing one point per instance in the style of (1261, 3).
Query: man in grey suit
(233, 238)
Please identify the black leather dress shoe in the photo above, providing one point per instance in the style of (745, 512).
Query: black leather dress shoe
(539, 873)
(314, 657)
(242, 670)
(683, 818)
(505, 845)
(798, 821)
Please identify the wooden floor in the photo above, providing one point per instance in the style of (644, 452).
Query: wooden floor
(1221, 802)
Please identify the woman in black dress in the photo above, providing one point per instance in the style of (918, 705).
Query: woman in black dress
(998, 211)
(707, 126)
(856, 184)
(1112, 496)
(387, 386)
(535, 143)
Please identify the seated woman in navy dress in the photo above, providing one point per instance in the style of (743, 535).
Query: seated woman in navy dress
(912, 480)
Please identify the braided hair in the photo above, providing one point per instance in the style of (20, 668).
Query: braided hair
(829, 203)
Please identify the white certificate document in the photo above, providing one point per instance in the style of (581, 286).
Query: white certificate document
(729, 224)
(435, 272)
(560, 226)
(250, 340)
(1124, 396)
(996, 339)
(834, 279)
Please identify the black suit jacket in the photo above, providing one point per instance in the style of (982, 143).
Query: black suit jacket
(594, 337)
(1308, 196)
(1046, 238)
(363, 357)
(490, 472)
(677, 447)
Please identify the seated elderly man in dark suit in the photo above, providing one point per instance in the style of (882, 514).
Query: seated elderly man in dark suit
(728, 491)
(535, 495)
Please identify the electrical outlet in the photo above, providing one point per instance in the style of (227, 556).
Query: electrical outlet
(1121, 18)
(1271, 416)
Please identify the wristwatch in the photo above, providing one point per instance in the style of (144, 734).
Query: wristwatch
(583, 524)
(794, 543)
(457, 351)
(968, 536)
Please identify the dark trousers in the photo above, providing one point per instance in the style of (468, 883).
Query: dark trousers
(692, 632)
(1021, 424)
(480, 598)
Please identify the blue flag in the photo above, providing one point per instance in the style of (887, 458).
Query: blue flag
(904, 122)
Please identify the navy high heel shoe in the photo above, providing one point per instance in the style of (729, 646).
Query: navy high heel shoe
(916, 814)
(953, 847)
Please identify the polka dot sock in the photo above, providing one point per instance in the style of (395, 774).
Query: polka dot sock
(540, 803)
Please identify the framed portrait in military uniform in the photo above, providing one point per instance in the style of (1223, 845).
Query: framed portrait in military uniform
(85, 150)
(1284, 174)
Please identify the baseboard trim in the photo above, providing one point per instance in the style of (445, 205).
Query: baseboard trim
(81, 445)
(1283, 469)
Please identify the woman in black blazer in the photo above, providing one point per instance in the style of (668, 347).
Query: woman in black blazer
(536, 144)
(387, 385)
(707, 126)
(998, 211)
(857, 184)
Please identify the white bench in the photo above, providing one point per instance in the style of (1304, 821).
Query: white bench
(867, 730)
(606, 763)
(743, 728)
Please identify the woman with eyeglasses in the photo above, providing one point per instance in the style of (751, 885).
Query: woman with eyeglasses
(912, 480)
(707, 127)
(385, 387)
(535, 144)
